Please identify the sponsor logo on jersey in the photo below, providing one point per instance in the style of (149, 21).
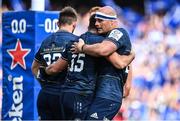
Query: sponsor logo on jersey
(94, 115)
(115, 34)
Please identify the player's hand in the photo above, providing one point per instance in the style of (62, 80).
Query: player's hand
(77, 47)
(127, 89)
(41, 74)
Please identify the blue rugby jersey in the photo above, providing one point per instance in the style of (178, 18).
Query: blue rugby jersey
(49, 51)
(110, 79)
(82, 71)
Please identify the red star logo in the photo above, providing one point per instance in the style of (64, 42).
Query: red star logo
(18, 54)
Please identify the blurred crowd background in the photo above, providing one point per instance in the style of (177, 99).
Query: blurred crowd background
(154, 29)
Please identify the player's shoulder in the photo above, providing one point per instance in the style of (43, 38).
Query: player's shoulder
(46, 40)
(124, 31)
(72, 35)
(65, 34)
(71, 42)
(91, 38)
(86, 35)
(117, 33)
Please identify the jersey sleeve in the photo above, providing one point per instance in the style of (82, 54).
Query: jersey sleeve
(38, 56)
(65, 52)
(118, 37)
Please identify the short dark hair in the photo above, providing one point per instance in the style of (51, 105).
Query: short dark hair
(92, 19)
(67, 15)
(92, 22)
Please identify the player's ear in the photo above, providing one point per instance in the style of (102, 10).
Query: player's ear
(113, 23)
(74, 24)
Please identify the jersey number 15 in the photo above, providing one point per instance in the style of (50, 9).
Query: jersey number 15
(78, 65)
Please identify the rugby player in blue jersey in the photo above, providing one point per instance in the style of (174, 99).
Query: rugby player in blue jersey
(78, 89)
(110, 81)
(81, 76)
(48, 103)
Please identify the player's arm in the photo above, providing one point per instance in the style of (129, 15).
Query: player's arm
(112, 42)
(127, 86)
(37, 62)
(121, 61)
(60, 64)
(35, 66)
(104, 48)
(56, 67)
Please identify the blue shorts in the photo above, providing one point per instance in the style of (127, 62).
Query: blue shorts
(49, 107)
(75, 106)
(103, 109)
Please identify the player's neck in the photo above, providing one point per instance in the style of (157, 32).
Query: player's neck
(93, 31)
(66, 28)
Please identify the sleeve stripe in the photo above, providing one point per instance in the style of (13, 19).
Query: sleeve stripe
(64, 58)
(37, 60)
